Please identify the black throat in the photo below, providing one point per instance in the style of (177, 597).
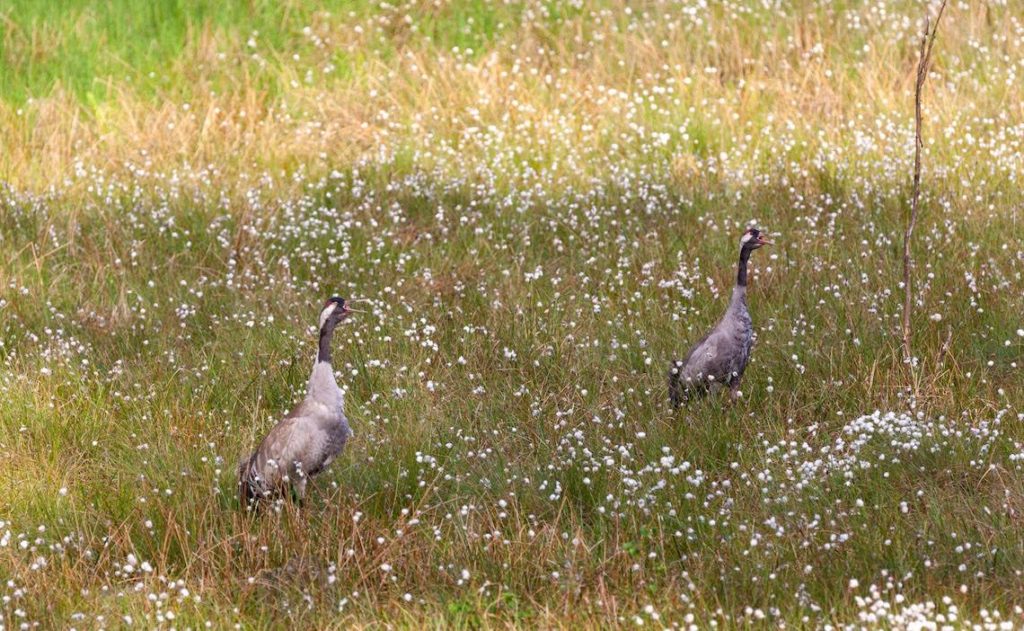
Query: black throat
(326, 333)
(741, 273)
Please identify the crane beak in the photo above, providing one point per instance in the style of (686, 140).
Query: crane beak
(349, 309)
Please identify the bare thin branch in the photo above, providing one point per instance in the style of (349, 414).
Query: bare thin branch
(924, 61)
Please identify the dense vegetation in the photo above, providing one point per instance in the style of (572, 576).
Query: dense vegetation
(542, 202)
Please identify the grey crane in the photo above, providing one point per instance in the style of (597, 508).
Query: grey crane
(312, 435)
(721, 356)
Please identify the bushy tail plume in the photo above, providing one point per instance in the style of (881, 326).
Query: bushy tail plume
(676, 392)
(248, 494)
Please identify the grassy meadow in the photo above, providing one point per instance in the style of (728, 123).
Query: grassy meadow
(542, 202)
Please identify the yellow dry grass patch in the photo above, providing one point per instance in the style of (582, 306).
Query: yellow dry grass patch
(574, 88)
(27, 480)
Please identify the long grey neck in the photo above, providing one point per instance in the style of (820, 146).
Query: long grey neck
(326, 333)
(741, 273)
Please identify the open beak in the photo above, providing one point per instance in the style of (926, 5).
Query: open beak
(349, 309)
(763, 241)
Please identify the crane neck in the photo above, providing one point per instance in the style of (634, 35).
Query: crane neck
(326, 333)
(741, 272)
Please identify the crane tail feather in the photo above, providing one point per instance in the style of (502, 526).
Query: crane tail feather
(676, 393)
(248, 494)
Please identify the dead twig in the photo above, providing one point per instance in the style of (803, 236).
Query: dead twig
(924, 60)
(945, 349)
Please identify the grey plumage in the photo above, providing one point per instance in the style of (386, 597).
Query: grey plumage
(721, 356)
(309, 438)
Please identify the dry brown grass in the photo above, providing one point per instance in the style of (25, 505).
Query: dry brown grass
(811, 76)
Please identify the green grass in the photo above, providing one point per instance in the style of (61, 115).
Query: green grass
(156, 439)
(159, 48)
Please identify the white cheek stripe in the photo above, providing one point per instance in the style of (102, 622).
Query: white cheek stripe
(746, 238)
(328, 310)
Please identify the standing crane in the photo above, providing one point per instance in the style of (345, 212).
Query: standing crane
(721, 356)
(312, 435)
